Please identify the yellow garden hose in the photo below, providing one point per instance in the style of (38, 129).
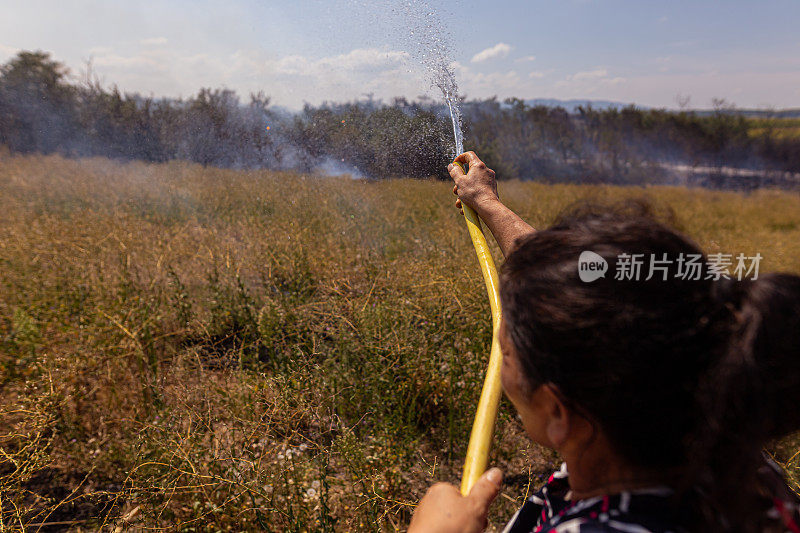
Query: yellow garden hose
(480, 440)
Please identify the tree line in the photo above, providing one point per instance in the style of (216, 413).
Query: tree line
(45, 110)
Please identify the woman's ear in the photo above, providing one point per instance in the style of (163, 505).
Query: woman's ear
(559, 417)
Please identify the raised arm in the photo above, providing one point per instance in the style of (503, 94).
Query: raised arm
(478, 189)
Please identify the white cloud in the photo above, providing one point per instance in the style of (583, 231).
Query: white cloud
(358, 60)
(481, 85)
(536, 75)
(365, 58)
(497, 51)
(589, 82)
(588, 75)
(526, 59)
(290, 80)
(154, 41)
(495, 83)
(293, 65)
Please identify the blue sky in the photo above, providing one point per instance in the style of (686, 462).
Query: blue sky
(640, 51)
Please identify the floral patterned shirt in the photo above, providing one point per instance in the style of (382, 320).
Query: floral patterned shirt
(647, 510)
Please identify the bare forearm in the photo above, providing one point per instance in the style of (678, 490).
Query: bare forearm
(478, 189)
(505, 225)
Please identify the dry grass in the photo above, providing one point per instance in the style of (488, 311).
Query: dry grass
(778, 128)
(209, 350)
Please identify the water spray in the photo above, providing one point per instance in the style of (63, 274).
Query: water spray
(432, 49)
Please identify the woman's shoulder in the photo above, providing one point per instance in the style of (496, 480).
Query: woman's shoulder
(649, 510)
(641, 511)
(638, 511)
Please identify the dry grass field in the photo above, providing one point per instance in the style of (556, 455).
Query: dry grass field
(195, 349)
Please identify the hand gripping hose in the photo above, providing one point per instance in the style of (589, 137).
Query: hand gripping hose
(480, 440)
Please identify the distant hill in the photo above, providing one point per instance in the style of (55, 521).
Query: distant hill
(785, 113)
(573, 105)
(757, 113)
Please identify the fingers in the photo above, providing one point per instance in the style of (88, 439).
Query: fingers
(470, 159)
(486, 489)
(455, 171)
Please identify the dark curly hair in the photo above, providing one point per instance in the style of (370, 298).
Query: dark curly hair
(691, 374)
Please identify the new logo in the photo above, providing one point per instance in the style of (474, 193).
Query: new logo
(591, 266)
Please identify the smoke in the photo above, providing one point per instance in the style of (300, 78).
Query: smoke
(332, 167)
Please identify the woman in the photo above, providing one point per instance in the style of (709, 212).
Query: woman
(658, 392)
